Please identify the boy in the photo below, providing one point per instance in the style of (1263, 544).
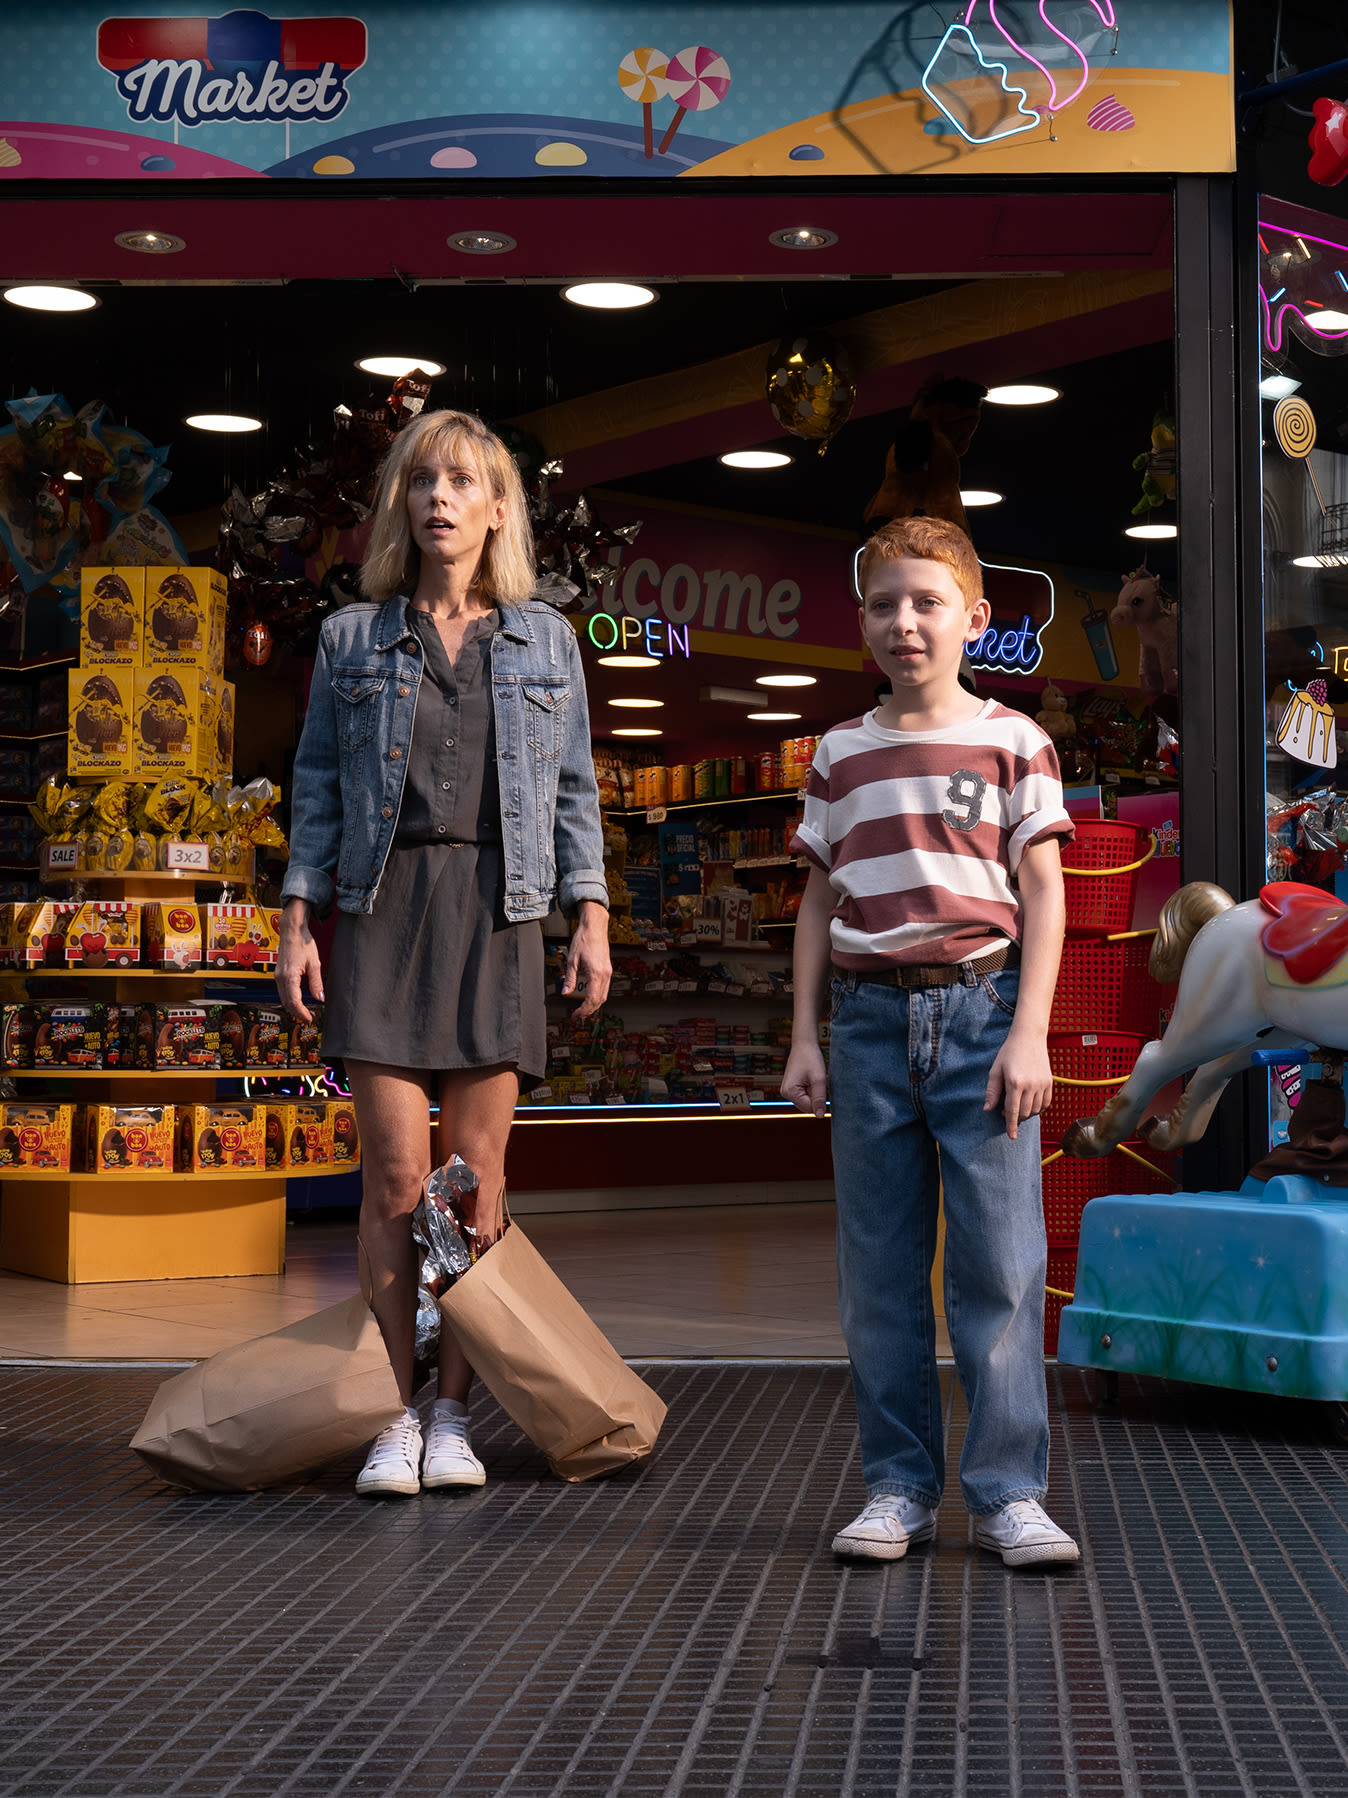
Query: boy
(933, 826)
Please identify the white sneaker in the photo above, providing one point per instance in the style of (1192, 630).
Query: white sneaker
(449, 1458)
(395, 1454)
(1023, 1532)
(885, 1529)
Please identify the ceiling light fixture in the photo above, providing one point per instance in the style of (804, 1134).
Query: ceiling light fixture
(1152, 532)
(151, 243)
(755, 459)
(398, 366)
(228, 422)
(786, 680)
(772, 717)
(1277, 387)
(803, 237)
(629, 661)
(1327, 320)
(1326, 559)
(1023, 393)
(72, 474)
(481, 243)
(50, 299)
(980, 496)
(636, 730)
(608, 296)
(639, 705)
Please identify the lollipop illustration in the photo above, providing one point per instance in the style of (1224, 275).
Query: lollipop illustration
(1294, 427)
(641, 76)
(696, 79)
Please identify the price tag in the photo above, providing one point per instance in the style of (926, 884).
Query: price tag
(685, 986)
(63, 856)
(707, 930)
(716, 986)
(733, 1098)
(541, 1093)
(655, 814)
(735, 990)
(192, 858)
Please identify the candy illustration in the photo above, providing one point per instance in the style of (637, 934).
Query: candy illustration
(641, 76)
(696, 80)
(1110, 114)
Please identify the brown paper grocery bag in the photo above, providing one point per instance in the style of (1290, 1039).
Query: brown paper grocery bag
(551, 1369)
(266, 1410)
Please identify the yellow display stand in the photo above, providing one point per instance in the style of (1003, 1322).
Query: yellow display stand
(81, 1229)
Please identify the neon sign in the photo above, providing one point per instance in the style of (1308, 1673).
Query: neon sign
(1003, 648)
(1302, 310)
(1030, 115)
(651, 636)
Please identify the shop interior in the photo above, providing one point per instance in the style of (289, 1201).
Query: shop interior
(1051, 315)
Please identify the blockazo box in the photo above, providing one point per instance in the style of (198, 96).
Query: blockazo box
(69, 1036)
(120, 1139)
(168, 734)
(104, 933)
(172, 935)
(112, 609)
(36, 1136)
(176, 1036)
(220, 1138)
(98, 736)
(180, 606)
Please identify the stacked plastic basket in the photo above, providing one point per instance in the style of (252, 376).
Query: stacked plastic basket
(1105, 1008)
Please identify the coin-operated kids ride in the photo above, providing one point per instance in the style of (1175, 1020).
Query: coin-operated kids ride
(1244, 1289)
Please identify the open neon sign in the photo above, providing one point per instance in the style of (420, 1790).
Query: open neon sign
(648, 636)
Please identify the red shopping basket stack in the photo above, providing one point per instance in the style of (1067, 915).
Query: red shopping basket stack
(1105, 1008)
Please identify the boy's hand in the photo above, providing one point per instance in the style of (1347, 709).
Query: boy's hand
(805, 1081)
(1021, 1080)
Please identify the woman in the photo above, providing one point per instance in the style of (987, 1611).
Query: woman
(444, 795)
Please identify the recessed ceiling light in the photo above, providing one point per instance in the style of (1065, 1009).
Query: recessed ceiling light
(72, 474)
(803, 237)
(636, 730)
(629, 661)
(639, 705)
(786, 680)
(772, 717)
(1024, 393)
(151, 243)
(1329, 559)
(397, 366)
(481, 243)
(51, 299)
(223, 421)
(1152, 531)
(1277, 387)
(608, 296)
(980, 496)
(755, 459)
(1327, 320)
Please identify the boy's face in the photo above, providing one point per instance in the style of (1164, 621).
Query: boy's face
(916, 623)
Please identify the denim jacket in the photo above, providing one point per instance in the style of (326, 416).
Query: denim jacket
(351, 762)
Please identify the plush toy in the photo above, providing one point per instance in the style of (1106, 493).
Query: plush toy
(1158, 464)
(1145, 606)
(1054, 719)
(922, 468)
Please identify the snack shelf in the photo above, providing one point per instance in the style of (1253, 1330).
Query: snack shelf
(169, 1177)
(57, 658)
(29, 736)
(154, 878)
(771, 861)
(704, 948)
(702, 805)
(137, 971)
(143, 1074)
(705, 1111)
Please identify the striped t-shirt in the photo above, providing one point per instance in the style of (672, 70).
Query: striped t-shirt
(921, 833)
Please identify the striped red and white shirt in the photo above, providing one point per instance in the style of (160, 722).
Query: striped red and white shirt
(921, 833)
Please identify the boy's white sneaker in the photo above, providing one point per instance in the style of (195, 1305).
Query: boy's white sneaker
(1023, 1532)
(394, 1457)
(449, 1459)
(886, 1528)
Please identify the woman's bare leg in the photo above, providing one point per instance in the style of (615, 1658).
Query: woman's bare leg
(393, 1117)
(477, 1107)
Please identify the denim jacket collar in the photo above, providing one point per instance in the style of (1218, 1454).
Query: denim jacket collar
(392, 627)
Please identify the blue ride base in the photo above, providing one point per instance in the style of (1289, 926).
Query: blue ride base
(1247, 1290)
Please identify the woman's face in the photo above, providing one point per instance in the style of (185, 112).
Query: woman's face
(451, 510)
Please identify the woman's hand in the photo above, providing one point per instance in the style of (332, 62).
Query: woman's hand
(588, 963)
(297, 960)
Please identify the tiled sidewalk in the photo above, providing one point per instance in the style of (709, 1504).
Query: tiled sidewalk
(683, 1629)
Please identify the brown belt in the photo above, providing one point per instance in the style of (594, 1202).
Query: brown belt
(945, 973)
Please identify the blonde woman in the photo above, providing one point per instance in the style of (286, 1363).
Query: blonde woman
(444, 796)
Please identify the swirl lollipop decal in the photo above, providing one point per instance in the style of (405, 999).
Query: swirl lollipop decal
(696, 79)
(1294, 427)
(641, 76)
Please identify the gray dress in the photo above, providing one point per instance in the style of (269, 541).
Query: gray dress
(434, 977)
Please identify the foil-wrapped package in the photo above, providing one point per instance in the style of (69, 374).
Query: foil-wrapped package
(444, 1254)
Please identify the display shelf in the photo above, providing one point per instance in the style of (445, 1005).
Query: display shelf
(18, 798)
(702, 805)
(30, 736)
(136, 971)
(155, 879)
(170, 1176)
(57, 658)
(704, 1111)
(143, 1074)
(771, 861)
(706, 948)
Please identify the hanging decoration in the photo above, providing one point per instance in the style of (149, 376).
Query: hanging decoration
(810, 388)
(922, 464)
(1144, 605)
(1328, 140)
(1157, 464)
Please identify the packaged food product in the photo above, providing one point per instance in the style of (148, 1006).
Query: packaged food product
(40, 933)
(233, 937)
(766, 778)
(268, 1042)
(180, 624)
(306, 1041)
(119, 1036)
(69, 1036)
(222, 1137)
(119, 1139)
(177, 1036)
(112, 606)
(312, 1136)
(721, 777)
(98, 737)
(36, 1135)
(345, 1135)
(171, 730)
(704, 780)
(680, 783)
(281, 1133)
(231, 1025)
(269, 946)
(172, 935)
(104, 933)
(18, 1031)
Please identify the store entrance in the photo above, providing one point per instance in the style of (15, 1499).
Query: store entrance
(1012, 366)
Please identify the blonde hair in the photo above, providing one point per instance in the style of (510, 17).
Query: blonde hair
(929, 540)
(393, 562)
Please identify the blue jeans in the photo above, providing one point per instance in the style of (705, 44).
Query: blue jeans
(905, 1127)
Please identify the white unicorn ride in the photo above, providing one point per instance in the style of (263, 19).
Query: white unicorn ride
(1269, 974)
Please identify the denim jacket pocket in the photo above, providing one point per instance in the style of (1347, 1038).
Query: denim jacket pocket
(545, 716)
(356, 704)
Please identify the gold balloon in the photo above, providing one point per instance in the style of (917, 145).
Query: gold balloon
(810, 388)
